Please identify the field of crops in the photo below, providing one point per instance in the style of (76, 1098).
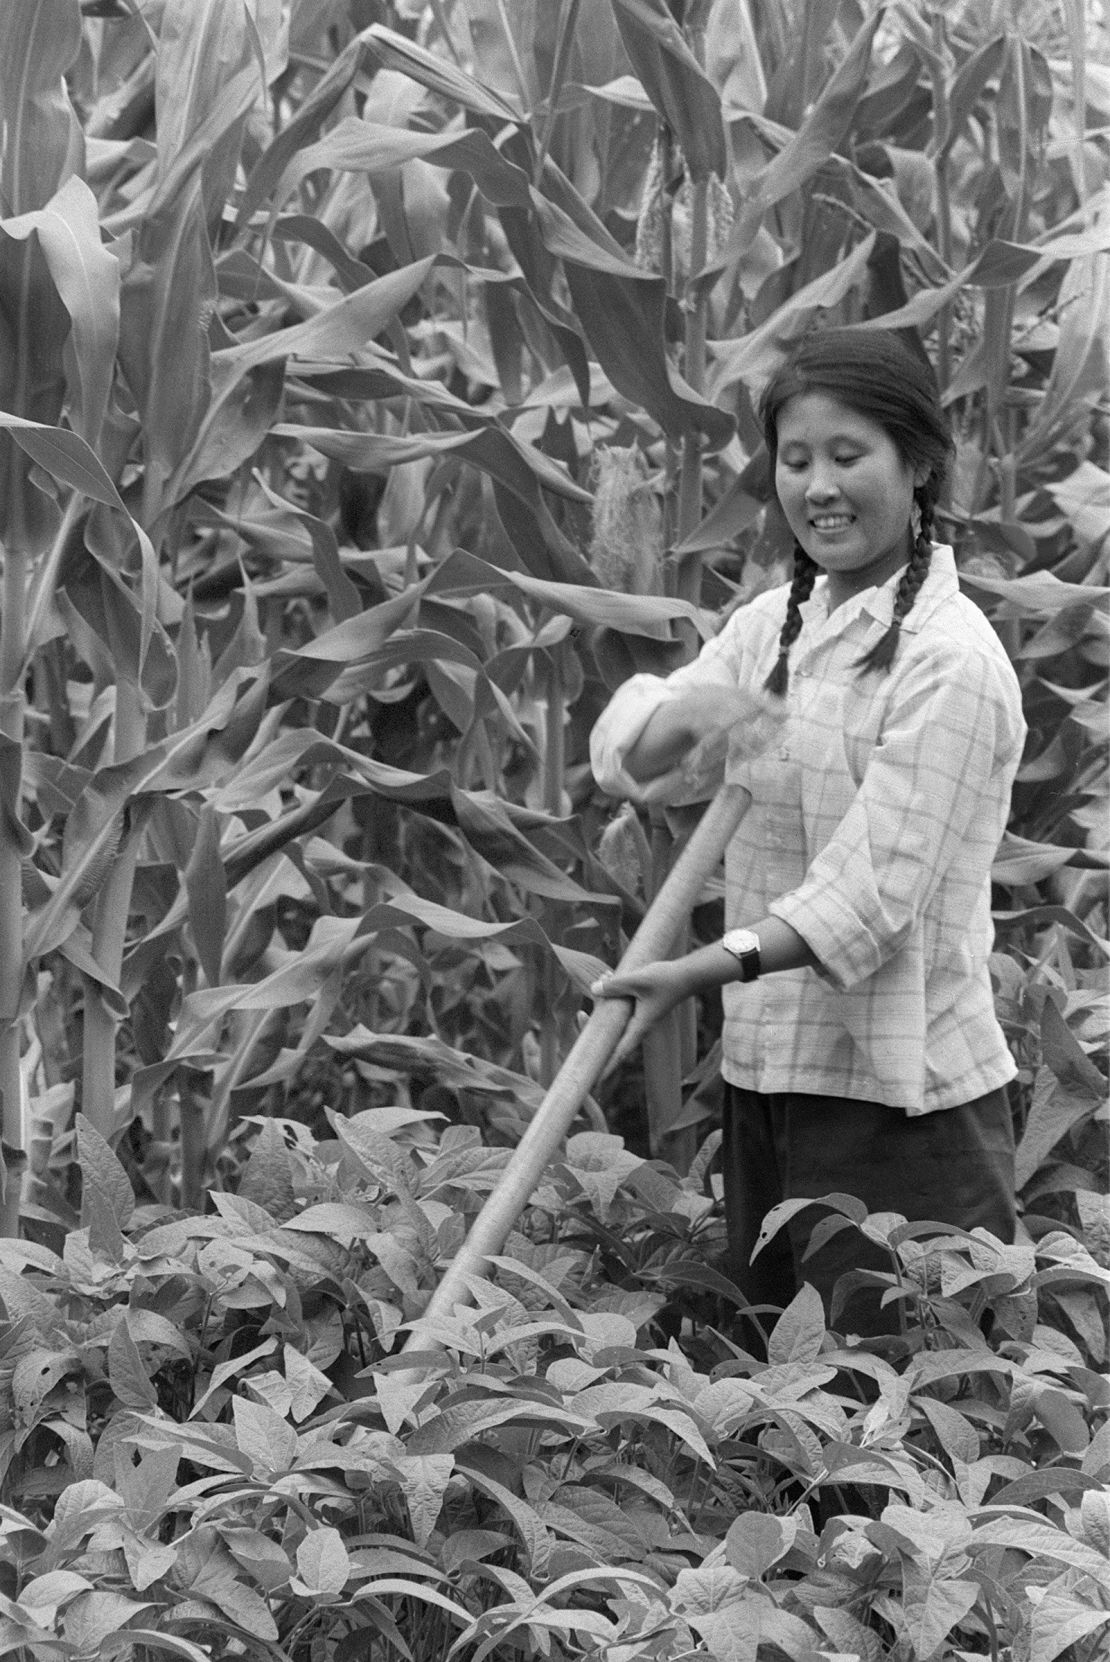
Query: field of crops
(377, 388)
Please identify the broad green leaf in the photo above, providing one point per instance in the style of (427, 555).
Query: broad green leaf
(1052, 1113)
(800, 1331)
(1020, 860)
(424, 1479)
(621, 310)
(167, 298)
(799, 59)
(418, 1591)
(942, 1530)
(752, 357)
(211, 746)
(733, 59)
(368, 147)
(37, 1371)
(822, 131)
(1058, 1480)
(932, 1605)
(755, 1541)
(394, 51)
(1059, 1621)
(848, 1634)
(65, 269)
(716, 1603)
(296, 134)
(201, 44)
(343, 595)
(1084, 496)
(245, 1610)
(596, 1522)
(170, 1644)
(71, 461)
(1041, 594)
(263, 1559)
(453, 1428)
(534, 1534)
(1066, 1056)
(33, 329)
(267, 1440)
(637, 614)
(102, 1171)
(41, 141)
(127, 1374)
(94, 1616)
(687, 101)
(323, 1563)
(267, 1177)
(207, 80)
(240, 412)
(955, 1432)
(998, 265)
(495, 828)
(1095, 1514)
(443, 1062)
(519, 468)
(339, 329)
(1041, 1541)
(45, 1594)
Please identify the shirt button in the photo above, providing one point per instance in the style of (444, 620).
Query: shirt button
(784, 754)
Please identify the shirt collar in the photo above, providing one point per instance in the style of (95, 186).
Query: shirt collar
(940, 584)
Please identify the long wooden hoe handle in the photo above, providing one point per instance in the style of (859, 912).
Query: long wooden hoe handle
(591, 1051)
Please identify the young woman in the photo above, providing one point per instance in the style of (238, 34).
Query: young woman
(861, 1052)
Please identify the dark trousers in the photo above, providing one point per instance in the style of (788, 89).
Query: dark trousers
(955, 1166)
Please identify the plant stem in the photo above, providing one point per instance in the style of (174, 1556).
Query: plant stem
(697, 309)
(554, 778)
(568, 17)
(109, 936)
(942, 137)
(12, 705)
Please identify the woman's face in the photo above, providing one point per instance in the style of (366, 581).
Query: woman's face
(846, 492)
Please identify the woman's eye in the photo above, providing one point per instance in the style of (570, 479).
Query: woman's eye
(845, 461)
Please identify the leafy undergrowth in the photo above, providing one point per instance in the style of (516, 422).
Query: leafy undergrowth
(213, 1447)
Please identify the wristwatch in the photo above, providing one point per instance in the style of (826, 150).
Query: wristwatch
(743, 944)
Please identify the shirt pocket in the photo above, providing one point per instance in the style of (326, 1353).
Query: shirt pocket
(862, 709)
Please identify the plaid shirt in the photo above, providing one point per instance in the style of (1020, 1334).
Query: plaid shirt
(876, 815)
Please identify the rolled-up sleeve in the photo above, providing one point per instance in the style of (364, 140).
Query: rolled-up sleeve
(728, 661)
(935, 790)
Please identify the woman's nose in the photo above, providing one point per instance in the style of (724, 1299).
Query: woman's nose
(820, 487)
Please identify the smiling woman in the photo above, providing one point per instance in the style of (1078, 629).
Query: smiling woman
(850, 406)
(861, 1051)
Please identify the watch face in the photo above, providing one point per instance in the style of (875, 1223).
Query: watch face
(740, 940)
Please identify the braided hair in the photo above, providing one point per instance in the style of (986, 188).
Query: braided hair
(879, 376)
(805, 575)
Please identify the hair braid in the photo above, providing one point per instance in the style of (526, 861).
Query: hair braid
(881, 655)
(805, 575)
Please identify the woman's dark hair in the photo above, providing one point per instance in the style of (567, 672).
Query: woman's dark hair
(878, 375)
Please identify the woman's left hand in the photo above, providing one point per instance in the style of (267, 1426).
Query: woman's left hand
(655, 990)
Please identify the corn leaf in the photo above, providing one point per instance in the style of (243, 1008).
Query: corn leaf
(687, 101)
(40, 143)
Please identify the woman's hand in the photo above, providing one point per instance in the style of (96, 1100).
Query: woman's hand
(655, 990)
(703, 723)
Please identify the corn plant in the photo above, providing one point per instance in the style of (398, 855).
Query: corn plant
(379, 395)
